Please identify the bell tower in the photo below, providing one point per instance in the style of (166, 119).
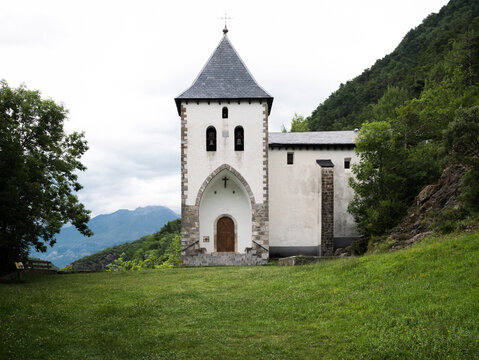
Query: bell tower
(224, 164)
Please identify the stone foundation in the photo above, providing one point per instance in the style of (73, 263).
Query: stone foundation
(302, 260)
(224, 259)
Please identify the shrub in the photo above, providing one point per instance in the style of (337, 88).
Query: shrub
(447, 220)
(359, 246)
(67, 268)
(384, 216)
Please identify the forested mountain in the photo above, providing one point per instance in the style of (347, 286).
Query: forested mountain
(447, 38)
(110, 229)
(147, 252)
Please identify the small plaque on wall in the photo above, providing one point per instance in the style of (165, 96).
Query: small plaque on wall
(206, 239)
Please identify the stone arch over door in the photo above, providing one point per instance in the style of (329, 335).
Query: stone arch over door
(216, 172)
(225, 196)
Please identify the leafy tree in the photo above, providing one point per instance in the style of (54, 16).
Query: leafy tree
(388, 175)
(38, 164)
(376, 206)
(154, 260)
(67, 268)
(462, 141)
(298, 124)
(118, 264)
(386, 108)
(174, 253)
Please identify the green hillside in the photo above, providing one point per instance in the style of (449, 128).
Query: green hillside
(420, 303)
(155, 247)
(418, 61)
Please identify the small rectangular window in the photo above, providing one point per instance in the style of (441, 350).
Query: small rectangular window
(347, 163)
(290, 158)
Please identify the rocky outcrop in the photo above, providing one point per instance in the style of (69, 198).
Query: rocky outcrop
(432, 199)
(342, 252)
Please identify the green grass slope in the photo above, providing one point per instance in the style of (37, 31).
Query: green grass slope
(421, 303)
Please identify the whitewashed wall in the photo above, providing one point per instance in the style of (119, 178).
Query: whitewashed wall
(295, 197)
(202, 163)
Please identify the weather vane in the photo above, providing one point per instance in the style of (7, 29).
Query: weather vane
(225, 18)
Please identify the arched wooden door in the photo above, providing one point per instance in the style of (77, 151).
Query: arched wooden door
(225, 235)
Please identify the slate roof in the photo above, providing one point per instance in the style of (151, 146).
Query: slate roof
(312, 138)
(224, 77)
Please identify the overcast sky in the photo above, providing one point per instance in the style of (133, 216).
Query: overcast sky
(117, 66)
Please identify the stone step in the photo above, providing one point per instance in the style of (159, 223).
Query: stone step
(222, 259)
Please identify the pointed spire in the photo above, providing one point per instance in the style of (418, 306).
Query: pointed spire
(224, 76)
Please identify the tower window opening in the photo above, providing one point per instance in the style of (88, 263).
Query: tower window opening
(224, 113)
(211, 138)
(239, 138)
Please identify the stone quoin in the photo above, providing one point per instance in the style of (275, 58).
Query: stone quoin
(247, 194)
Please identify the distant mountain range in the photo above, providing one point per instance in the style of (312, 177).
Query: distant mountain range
(109, 230)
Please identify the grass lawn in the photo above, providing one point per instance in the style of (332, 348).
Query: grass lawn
(421, 303)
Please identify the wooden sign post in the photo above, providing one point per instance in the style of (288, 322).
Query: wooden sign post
(19, 266)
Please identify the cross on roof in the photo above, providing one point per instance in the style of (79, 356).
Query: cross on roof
(225, 18)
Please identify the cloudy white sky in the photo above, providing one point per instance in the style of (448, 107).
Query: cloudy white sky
(117, 65)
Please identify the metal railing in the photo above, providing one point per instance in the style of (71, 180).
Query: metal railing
(190, 245)
(261, 246)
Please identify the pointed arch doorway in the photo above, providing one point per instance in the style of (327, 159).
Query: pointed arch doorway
(225, 193)
(225, 235)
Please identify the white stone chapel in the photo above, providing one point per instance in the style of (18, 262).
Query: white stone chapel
(247, 194)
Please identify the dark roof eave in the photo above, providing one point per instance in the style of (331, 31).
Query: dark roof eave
(269, 100)
(326, 163)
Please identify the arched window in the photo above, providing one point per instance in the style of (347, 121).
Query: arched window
(211, 138)
(224, 113)
(239, 138)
